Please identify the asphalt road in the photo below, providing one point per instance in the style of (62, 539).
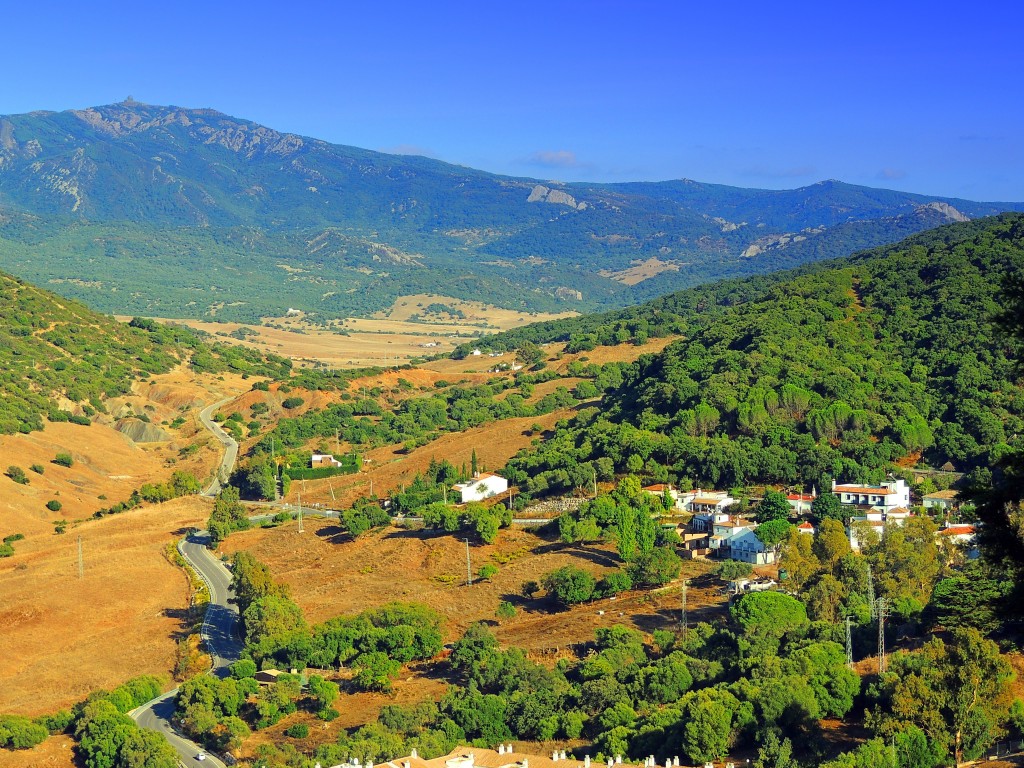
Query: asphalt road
(227, 464)
(220, 634)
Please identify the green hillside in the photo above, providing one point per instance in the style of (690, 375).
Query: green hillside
(838, 370)
(164, 211)
(60, 359)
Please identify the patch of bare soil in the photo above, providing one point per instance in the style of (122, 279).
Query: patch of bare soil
(64, 636)
(330, 574)
(55, 752)
(640, 271)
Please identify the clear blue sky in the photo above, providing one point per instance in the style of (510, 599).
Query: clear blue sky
(919, 96)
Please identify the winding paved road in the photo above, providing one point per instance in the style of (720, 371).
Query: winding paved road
(220, 634)
(227, 464)
(220, 624)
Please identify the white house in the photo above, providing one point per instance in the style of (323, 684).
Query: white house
(888, 496)
(800, 503)
(323, 460)
(725, 531)
(944, 501)
(708, 507)
(484, 485)
(659, 489)
(964, 536)
(745, 546)
(806, 527)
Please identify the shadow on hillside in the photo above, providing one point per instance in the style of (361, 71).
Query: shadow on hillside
(333, 534)
(596, 556)
(534, 605)
(425, 533)
(186, 618)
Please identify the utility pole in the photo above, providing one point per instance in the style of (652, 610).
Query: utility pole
(81, 564)
(329, 483)
(849, 644)
(301, 530)
(444, 492)
(469, 569)
(882, 614)
(685, 622)
(871, 592)
(594, 470)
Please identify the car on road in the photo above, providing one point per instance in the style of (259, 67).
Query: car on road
(201, 756)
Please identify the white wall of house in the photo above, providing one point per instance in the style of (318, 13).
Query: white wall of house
(481, 487)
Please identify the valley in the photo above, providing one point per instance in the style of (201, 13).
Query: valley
(404, 332)
(580, 406)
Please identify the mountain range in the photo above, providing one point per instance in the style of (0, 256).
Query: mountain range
(166, 211)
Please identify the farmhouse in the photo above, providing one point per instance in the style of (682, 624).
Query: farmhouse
(801, 502)
(944, 501)
(745, 546)
(267, 676)
(890, 495)
(725, 532)
(964, 536)
(319, 460)
(484, 485)
(660, 489)
(708, 507)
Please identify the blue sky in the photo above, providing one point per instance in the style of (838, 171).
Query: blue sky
(924, 97)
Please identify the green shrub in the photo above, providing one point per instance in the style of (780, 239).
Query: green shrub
(37, 468)
(297, 731)
(17, 732)
(487, 571)
(292, 402)
(53, 505)
(505, 610)
(63, 459)
(17, 474)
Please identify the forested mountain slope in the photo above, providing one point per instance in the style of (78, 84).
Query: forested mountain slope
(166, 211)
(837, 371)
(60, 359)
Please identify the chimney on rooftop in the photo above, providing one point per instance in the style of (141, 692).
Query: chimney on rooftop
(413, 754)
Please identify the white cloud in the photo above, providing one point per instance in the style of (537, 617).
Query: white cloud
(561, 158)
(891, 174)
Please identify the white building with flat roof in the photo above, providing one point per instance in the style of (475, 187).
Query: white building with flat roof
(484, 485)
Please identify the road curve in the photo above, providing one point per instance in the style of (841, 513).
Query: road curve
(219, 633)
(227, 464)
